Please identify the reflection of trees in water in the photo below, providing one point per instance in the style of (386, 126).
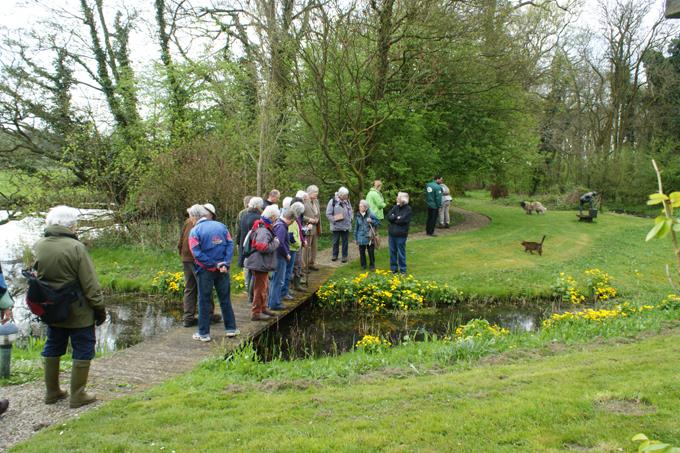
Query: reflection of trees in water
(315, 331)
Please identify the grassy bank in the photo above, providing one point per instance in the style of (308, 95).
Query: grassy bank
(491, 262)
(412, 397)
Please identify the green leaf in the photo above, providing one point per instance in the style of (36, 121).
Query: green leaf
(674, 196)
(654, 231)
(654, 447)
(676, 226)
(639, 437)
(660, 218)
(658, 196)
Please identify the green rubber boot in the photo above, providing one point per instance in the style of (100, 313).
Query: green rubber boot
(53, 393)
(79, 373)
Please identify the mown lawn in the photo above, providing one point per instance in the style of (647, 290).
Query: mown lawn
(584, 398)
(491, 262)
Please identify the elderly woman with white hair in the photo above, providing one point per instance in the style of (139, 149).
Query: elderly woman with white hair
(365, 225)
(261, 261)
(62, 261)
(399, 218)
(339, 214)
(312, 221)
(295, 240)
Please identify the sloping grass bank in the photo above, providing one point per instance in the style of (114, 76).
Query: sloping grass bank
(491, 263)
(583, 398)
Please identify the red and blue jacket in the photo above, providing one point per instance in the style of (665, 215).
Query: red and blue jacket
(211, 245)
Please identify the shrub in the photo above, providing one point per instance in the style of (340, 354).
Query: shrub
(480, 329)
(171, 283)
(383, 290)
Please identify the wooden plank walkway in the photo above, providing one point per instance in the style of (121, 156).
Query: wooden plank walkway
(160, 358)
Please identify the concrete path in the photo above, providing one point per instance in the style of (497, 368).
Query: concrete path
(154, 361)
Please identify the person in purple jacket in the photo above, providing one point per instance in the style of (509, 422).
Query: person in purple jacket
(212, 248)
(283, 253)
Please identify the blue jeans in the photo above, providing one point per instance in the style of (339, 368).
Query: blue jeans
(276, 284)
(289, 273)
(206, 281)
(397, 254)
(82, 342)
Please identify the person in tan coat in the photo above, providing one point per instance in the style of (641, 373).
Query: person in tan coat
(312, 222)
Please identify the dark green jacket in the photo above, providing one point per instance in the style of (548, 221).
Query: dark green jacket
(60, 258)
(433, 195)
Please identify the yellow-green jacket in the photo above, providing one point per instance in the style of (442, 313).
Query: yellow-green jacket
(60, 258)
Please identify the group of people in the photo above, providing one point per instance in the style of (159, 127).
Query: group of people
(277, 247)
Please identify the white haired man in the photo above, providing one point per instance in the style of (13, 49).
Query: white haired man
(62, 261)
(212, 248)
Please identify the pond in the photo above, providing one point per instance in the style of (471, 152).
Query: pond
(313, 331)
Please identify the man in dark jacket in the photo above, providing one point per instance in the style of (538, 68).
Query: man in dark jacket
(61, 259)
(212, 248)
(399, 218)
(6, 304)
(433, 196)
(245, 223)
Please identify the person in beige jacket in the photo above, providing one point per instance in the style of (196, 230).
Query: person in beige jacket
(312, 223)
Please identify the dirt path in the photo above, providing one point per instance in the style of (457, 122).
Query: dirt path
(471, 221)
(139, 367)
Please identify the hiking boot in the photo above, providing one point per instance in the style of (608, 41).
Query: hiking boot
(79, 373)
(446, 225)
(260, 317)
(232, 332)
(297, 284)
(344, 260)
(371, 268)
(4, 404)
(190, 322)
(204, 338)
(335, 258)
(288, 297)
(270, 313)
(215, 318)
(53, 393)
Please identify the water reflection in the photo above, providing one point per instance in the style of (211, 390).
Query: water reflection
(314, 331)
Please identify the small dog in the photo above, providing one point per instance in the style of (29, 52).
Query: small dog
(531, 206)
(531, 246)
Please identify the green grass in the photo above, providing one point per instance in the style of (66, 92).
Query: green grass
(491, 263)
(550, 399)
(130, 269)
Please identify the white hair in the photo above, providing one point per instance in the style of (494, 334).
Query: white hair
(271, 212)
(256, 203)
(364, 202)
(198, 210)
(65, 216)
(297, 208)
(288, 214)
(312, 189)
(402, 196)
(286, 202)
(342, 191)
(301, 194)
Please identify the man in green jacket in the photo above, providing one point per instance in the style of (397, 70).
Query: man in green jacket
(433, 196)
(376, 202)
(60, 259)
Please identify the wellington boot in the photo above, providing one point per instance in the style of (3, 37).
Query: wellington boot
(53, 393)
(79, 373)
(296, 284)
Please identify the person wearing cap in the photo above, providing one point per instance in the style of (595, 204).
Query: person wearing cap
(212, 248)
(190, 298)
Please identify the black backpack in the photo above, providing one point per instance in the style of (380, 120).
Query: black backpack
(49, 304)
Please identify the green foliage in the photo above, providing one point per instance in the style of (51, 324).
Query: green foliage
(649, 445)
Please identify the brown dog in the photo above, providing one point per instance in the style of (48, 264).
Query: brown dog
(533, 206)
